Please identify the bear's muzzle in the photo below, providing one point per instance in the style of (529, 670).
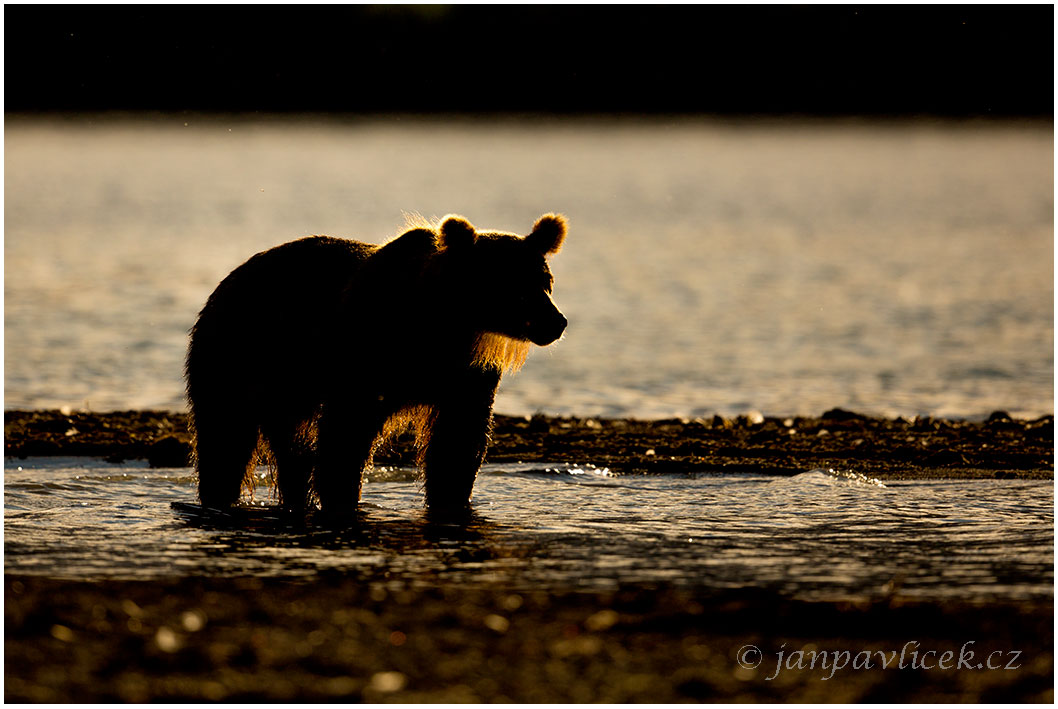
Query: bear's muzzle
(544, 331)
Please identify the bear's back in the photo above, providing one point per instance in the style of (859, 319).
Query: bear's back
(290, 276)
(311, 262)
(296, 294)
(278, 297)
(280, 304)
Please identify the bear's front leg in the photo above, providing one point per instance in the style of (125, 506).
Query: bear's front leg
(455, 441)
(346, 440)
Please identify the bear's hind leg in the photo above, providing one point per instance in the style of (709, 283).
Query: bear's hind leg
(346, 442)
(293, 450)
(224, 453)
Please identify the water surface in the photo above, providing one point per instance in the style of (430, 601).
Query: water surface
(814, 535)
(898, 269)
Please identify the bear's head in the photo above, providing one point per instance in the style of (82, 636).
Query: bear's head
(507, 278)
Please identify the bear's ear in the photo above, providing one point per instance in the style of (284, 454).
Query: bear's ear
(548, 234)
(456, 232)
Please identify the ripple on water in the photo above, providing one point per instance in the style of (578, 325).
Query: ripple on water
(822, 533)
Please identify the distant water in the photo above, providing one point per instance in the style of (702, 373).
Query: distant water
(784, 267)
(814, 535)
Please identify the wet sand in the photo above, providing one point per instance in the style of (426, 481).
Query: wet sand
(375, 638)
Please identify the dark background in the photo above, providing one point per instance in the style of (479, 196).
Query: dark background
(821, 60)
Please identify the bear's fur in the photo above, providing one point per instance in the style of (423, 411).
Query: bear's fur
(322, 347)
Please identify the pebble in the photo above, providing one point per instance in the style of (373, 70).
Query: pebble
(387, 682)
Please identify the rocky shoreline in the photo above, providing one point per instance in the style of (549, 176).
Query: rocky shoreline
(1000, 447)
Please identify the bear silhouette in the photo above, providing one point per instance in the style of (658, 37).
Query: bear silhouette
(323, 347)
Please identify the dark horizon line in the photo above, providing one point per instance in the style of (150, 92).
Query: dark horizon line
(546, 115)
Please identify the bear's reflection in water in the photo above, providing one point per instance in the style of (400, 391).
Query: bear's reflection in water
(369, 542)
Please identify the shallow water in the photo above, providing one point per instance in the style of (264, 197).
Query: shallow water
(898, 269)
(813, 535)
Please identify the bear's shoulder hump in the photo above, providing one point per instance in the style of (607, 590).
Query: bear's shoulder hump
(415, 242)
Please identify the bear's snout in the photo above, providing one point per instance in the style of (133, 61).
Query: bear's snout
(549, 330)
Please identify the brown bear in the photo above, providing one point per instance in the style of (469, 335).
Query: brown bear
(322, 347)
